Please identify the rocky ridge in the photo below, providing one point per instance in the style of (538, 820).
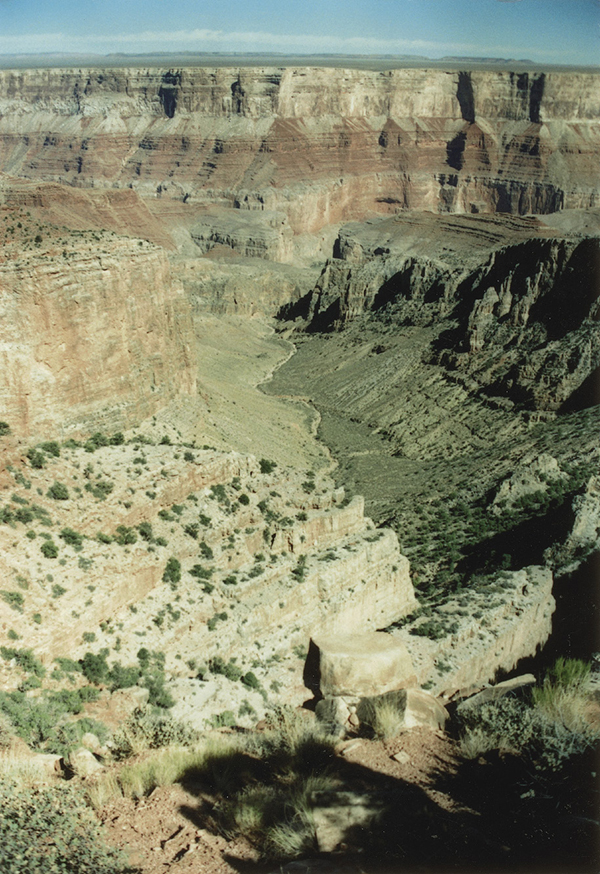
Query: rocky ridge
(520, 301)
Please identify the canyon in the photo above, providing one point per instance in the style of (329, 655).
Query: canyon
(296, 352)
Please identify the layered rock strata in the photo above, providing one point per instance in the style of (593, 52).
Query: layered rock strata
(96, 334)
(254, 567)
(320, 145)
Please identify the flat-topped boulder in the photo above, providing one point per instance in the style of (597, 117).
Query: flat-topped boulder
(359, 665)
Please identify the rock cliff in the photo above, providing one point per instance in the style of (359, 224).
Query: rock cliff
(319, 145)
(520, 300)
(96, 334)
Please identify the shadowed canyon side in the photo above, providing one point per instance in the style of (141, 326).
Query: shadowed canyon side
(319, 146)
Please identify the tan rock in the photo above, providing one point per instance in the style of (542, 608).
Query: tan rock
(83, 762)
(362, 664)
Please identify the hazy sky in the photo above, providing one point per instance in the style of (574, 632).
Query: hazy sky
(550, 31)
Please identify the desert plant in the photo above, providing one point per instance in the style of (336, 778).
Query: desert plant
(51, 829)
(13, 599)
(172, 572)
(58, 492)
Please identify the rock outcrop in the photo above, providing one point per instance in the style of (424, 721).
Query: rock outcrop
(521, 301)
(459, 648)
(319, 145)
(254, 568)
(96, 335)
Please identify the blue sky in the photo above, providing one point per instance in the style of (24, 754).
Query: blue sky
(546, 31)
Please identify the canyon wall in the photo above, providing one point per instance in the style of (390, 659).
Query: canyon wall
(98, 336)
(520, 300)
(317, 145)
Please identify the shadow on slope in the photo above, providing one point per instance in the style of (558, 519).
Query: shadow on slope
(290, 800)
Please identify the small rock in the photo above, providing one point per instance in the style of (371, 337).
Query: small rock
(402, 757)
(83, 762)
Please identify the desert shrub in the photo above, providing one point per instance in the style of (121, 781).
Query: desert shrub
(95, 667)
(228, 669)
(24, 515)
(14, 600)
(25, 658)
(51, 447)
(244, 499)
(100, 489)
(45, 829)
(189, 456)
(58, 492)
(96, 441)
(192, 530)
(101, 537)
(36, 458)
(49, 549)
(218, 492)
(204, 520)
(205, 551)
(145, 729)
(58, 590)
(172, 572)
(122, 678)
(125, 536)
(547, 725)
(200, 572)
(4, 429)
(73, 538)
(267, 466)
(145, 530)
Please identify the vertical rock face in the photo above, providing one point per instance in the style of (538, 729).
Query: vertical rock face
(319, 145)
(98, 339)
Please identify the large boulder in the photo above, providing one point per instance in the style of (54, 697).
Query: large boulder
(359, 665)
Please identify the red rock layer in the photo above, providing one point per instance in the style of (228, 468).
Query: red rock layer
(320, 145)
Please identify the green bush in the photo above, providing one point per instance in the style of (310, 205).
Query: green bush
(206, 551)
(58, 492)
(244, 499)
(36, 458)
(73, 538)
(14, 600)
(49, 549)
(45, 829)
(146, 533)
(267, 466)
(201, 573)
(25, 658)
(172, 572)
(4, 429)
(51, 447)
(95, 667)
(125, 536)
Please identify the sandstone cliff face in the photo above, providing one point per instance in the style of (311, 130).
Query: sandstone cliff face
(319, 145)
(510, 621)
(99, 337)
(523, 300)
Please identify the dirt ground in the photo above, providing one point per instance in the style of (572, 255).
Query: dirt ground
(441, 814)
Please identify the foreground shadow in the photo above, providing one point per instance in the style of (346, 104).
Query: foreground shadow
(481, 816)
